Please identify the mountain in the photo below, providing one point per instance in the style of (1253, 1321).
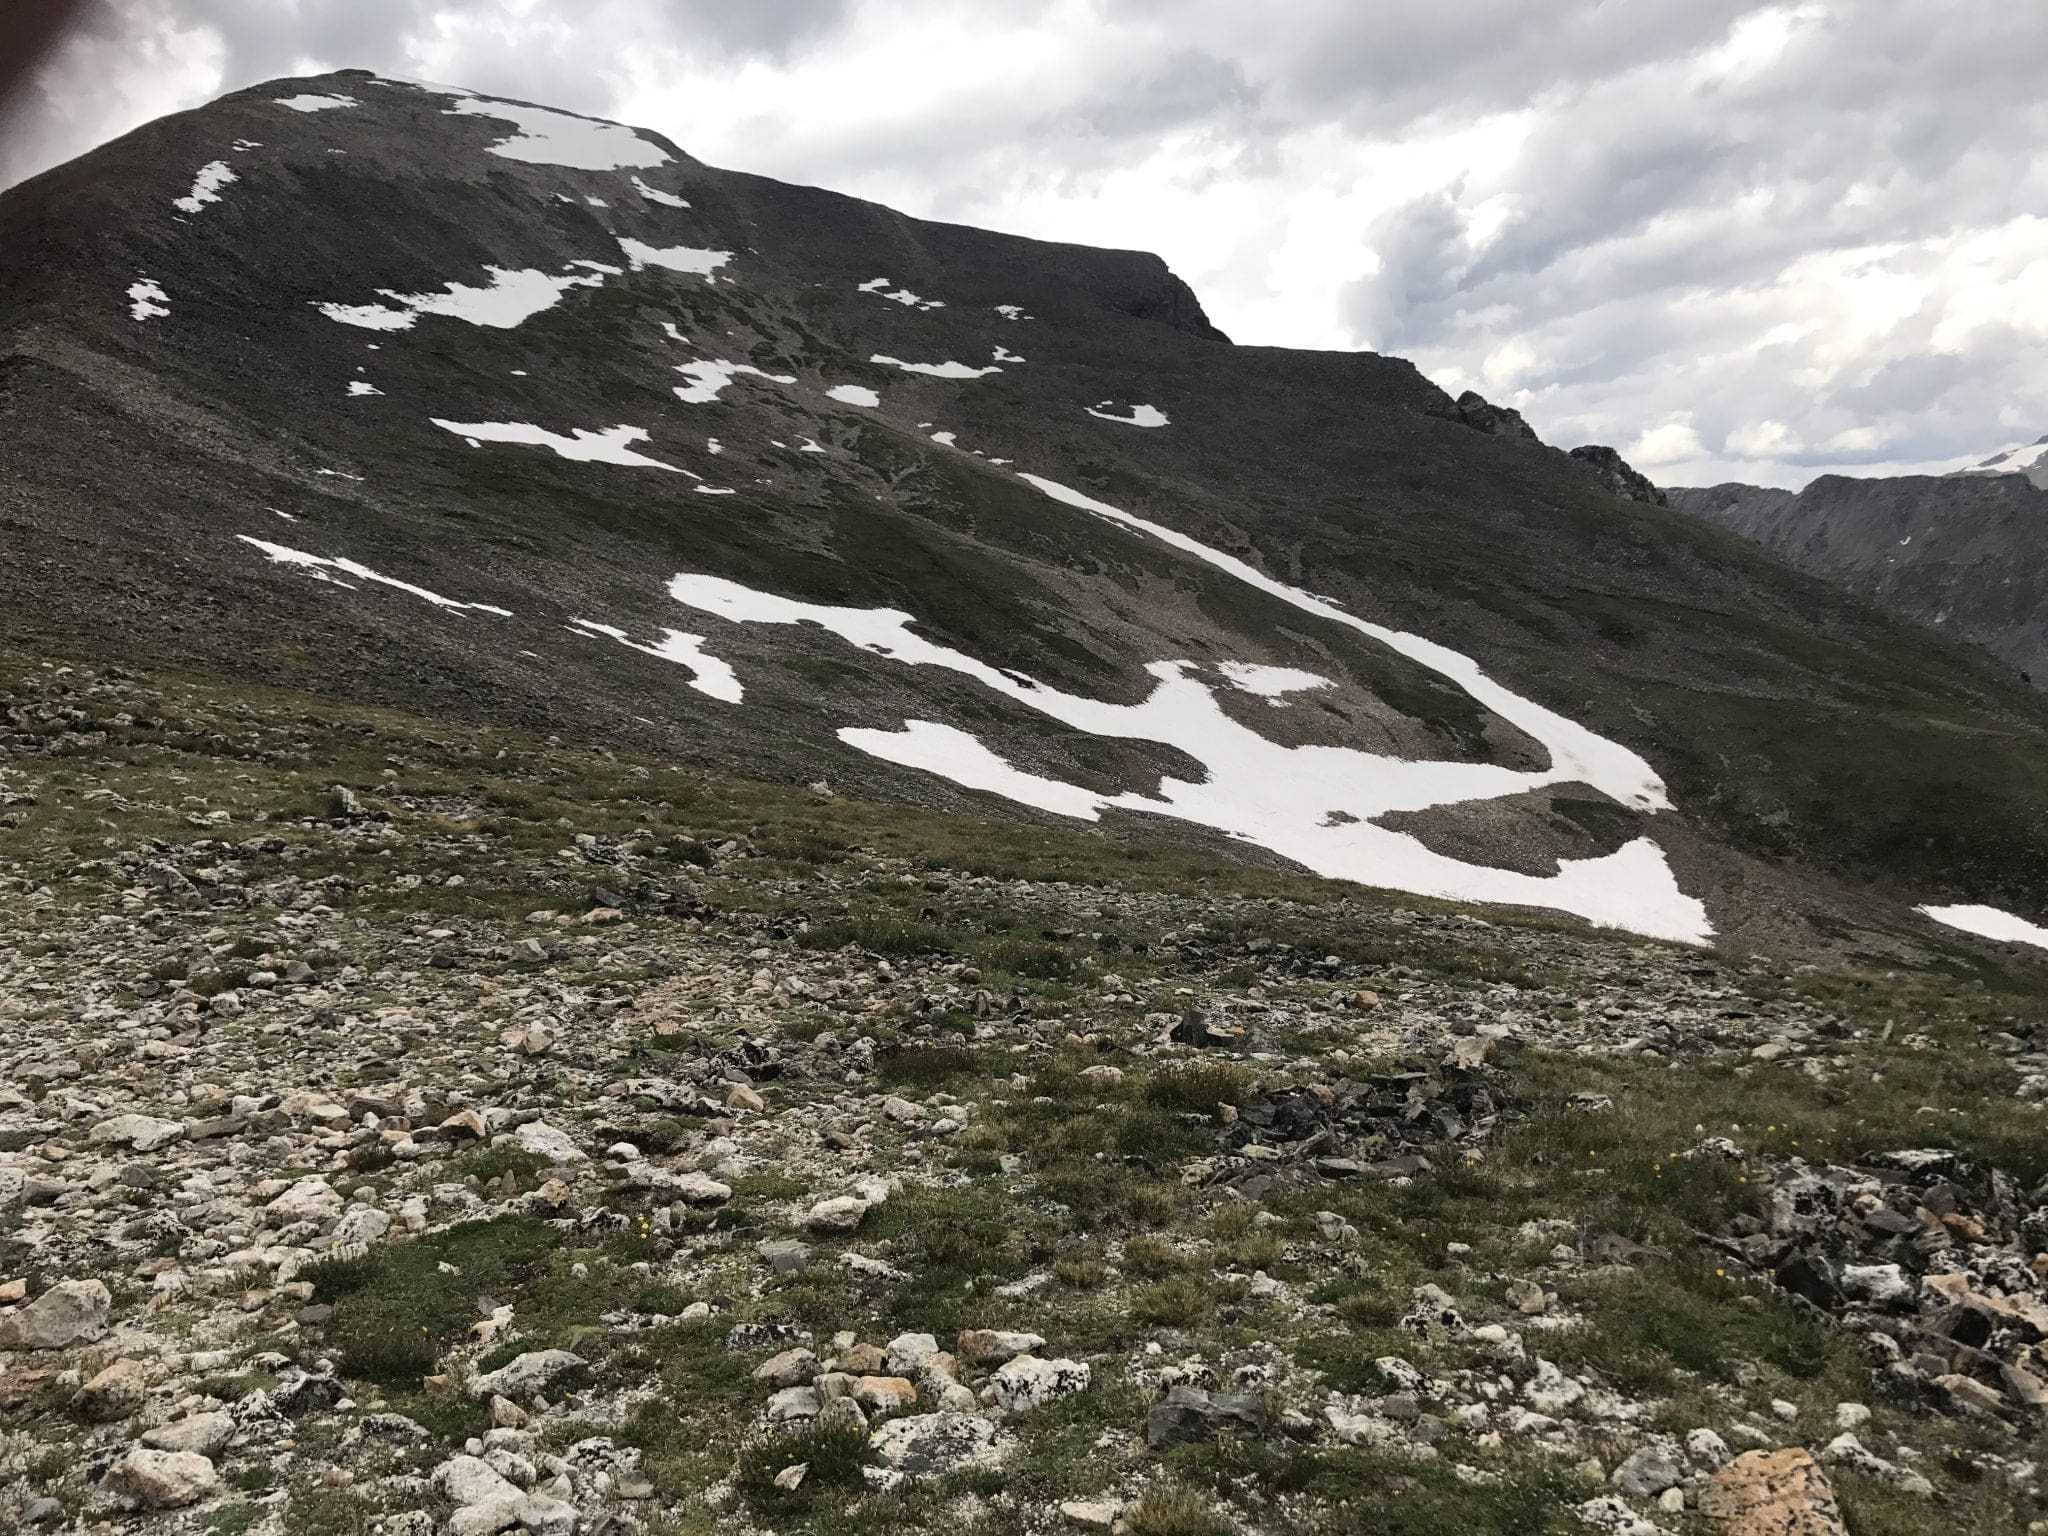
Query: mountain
(406, 395)
(1964, 553)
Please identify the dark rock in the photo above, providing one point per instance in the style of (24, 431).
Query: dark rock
(1189, 1414)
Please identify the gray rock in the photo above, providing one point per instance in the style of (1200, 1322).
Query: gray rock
(1190, 1414)
(165, 1479)
(929, 1445)
(1646, 1473)
(69, 1312)
(536, 1371)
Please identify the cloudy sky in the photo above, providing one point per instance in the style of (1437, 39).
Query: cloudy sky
(1735, 240)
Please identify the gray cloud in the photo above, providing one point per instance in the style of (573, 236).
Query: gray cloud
(1799, 233)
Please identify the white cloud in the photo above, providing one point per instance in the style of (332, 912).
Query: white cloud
(1762, 440)
(1675, 442)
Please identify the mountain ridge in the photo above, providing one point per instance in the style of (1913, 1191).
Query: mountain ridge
(637, 423)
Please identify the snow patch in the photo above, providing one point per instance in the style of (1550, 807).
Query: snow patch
(677, 258)
(1004, 355)
(945, 370)
(311, 103)
(1989, 923)
(206, 187)
(708, 378)
(513, 297)
(547, 137)
(320, 566)
(609, 446)
(1013, 312)
(357, 388)
(1141, 415)
(147, 300)
(883, 288)
(708, 673)
(853, 394)
(656, 195)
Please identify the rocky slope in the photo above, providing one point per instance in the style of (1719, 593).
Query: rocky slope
(405, 395)
(1965, 554)
(408, 1128)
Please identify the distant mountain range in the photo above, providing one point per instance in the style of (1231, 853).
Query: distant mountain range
(1965, 553)
(405, 394)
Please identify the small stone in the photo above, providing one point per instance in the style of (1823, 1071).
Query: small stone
(535, 1371)
(842, 1213)
(207, 1434)
(1092, 1514)
(113, 1394)
(1646, 1473)
(993, 1346)
(792, 1367)
(791, 1478)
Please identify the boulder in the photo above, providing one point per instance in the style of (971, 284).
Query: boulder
(1772, 1493)
(165, 1479)
(69, 1312)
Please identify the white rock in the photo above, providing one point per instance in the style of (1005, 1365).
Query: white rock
(535, 1371)
(1028, 1382)
(165, 1479)
(145, 1133)
(544, 1140)
(842, 1213)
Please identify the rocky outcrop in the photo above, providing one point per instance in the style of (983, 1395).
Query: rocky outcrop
(1617, 474)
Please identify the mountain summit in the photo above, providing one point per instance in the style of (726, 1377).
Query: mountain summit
(405, 394)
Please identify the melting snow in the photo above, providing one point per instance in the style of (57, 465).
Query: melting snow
(945, 439)
(1012, 312)
(243, 146)
(512, 298)
(1316, 805)
(656, 195)
(946, 370)
(707, 379)
(1004, 355)
(1271, 683)
(318, 566)
(1989, 923)
(708, 673)
(853, 394)
(205, 187)
(1141, 415)
(148, 300)
(548, 137)
(357, 387)
(880, 287)
(317, 103)
(810, 446)
(677, 258)
(609, 446)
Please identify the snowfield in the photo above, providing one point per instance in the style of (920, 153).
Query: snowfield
(609, 446)
(1316, 805)
(1989, 923)
(512, 298)
(547, 137)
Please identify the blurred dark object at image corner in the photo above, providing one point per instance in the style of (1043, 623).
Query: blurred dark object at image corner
(29, 29)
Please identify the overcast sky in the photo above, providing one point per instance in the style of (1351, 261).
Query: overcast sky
(1734, 240)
